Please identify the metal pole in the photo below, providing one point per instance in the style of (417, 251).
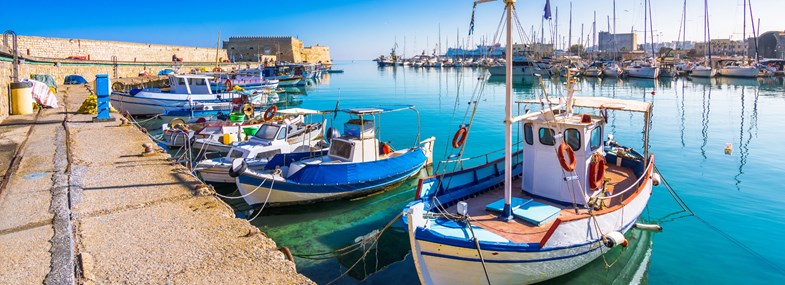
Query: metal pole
(507, 213)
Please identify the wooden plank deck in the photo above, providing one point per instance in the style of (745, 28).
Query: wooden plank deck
(518, 230)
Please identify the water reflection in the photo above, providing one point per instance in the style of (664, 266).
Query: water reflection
(705, 113)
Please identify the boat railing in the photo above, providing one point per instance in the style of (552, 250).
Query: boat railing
(635, 185)
(485, 155)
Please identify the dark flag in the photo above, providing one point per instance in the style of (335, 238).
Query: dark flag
(547, 15)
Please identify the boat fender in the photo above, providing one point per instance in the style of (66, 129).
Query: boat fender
(565, 152)
(332, 133)
(649, 227)
(596, 171)
(238, 167)
(613, 239)
(656, 179)
(385, 148)
(270, 113)
(228, 84)
(460, 137)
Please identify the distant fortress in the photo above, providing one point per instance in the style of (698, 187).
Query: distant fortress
(282, 48)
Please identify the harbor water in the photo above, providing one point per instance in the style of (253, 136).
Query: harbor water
(733, 238)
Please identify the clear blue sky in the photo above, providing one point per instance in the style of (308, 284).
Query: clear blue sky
(359, 29)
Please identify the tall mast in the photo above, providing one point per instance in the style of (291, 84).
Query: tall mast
(507, 213)
(651, 29)
(594, 33)
(645, 20)
(754, 31)
(684, 24)
(615, 49)
(569, 33)
(707, 35)
(557, 27)
(744, 22)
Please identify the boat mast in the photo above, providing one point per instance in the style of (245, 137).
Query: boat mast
(651, 30)
(707, 34)
(754, 33)
(569, 33)
(744, 22)
(507, 213)
(684, 24)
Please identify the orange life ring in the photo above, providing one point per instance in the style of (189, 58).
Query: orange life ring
(565, 149)
(460, 137)
(228, 84)
(386, 149)
(596, 171)
(270, 113)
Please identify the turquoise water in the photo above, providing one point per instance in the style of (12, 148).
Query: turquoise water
(738, 195)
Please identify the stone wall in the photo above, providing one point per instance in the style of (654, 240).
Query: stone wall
(315, 54)
(61, 48)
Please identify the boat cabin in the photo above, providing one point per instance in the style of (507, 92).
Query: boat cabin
(358, 142)
(584, 134)
(189, 84)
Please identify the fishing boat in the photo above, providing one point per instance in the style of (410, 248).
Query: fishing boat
(523, 65)
(566, 199)
(356, 164)
(298, 133)
(283, 74)
(184, 91)
(245, 79)
(593, 70)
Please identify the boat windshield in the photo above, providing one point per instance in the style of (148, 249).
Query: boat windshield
(267, 132)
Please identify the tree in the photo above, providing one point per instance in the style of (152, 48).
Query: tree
(576, 49)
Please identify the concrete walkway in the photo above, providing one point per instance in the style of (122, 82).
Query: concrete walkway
(81, 205)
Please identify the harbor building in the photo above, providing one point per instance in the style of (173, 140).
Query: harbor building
(723, 47)
(770, 45)
(617, 42)
(286, 48)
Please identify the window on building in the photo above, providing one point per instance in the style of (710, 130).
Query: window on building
(546, 136)
(573, 138)
(527, 133)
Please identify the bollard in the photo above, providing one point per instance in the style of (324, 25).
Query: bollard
(102, 98)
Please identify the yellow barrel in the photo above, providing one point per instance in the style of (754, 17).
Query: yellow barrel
(21, 98)
(229, 138)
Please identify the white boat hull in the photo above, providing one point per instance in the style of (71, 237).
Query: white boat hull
(740, 71)
(611, 72)
(701, 72)
(517, 70)
(148, 103)
(644, 72)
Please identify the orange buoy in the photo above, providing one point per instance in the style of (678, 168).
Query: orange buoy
(566, 150)
(596, 171)
(270, 113)
(386, 149)
(460, 137)
(228, 84)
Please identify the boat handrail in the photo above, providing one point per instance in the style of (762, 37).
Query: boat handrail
(478, 156)
(634, 185)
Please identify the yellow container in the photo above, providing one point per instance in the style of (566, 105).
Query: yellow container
(21, 98)
(229, 138)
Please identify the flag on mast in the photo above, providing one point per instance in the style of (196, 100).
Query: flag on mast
(547, 15)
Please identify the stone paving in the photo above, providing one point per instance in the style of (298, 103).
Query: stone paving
(81, 205)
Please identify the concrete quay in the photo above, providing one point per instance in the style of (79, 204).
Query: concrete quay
(80, 205)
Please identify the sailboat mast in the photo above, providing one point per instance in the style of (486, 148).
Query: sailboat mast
(651, 29)
(754, 32)
(569, 33)
(645, 20)
(744, 22)
(507, 213)
(708, 28)
(594, 33)
(684, 24)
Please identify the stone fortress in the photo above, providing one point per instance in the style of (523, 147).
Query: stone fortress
(288, 49)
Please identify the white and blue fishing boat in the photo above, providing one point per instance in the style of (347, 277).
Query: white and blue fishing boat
(284, 75)
(184, 91)
(356, 164)
(562, 202)
(300, 132)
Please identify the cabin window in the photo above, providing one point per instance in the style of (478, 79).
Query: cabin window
(196, 81)
(342, 149)
(527, 133)
(596, 138)
(181, 81)
(546, 136)
(282, 134)
(268, 154)
(573, 138)
(267, 132)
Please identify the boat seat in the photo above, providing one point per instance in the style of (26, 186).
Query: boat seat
(498, 206)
